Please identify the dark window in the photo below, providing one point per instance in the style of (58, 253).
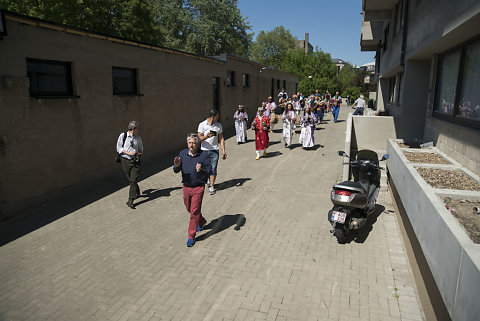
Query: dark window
(246, 80)
(457, 95)
(49, 78)
(278, 83)
(230, 78)
(3, 25)
(447, 75)
(124, 81)
(391, 90)
(285, 84)
(399, 80)
(469, 98)
(386, 34)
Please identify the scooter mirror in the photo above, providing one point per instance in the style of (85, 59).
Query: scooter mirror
(341, 153)
(385, 157)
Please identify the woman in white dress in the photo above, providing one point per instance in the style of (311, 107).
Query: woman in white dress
(307, 121)
(288, 118)
(241, 119)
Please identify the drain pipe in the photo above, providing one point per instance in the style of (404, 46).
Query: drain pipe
(404, 32)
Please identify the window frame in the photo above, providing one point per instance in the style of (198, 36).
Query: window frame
(230, 80)
(246, 80)
(52, 94)
(454, 117)
(135, 92)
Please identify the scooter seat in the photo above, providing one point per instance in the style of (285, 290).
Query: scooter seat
(350, 186)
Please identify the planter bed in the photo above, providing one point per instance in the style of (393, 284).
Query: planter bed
(453, 258)
(464, 211)
(426, 158)
(448, 179)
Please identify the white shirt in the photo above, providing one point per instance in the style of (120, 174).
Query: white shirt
(360, 102)
(210, 143)
(132, 144)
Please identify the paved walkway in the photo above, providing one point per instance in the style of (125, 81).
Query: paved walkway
(268, 254)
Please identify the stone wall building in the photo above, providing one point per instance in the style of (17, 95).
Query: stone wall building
(66, 94)
(428, 70)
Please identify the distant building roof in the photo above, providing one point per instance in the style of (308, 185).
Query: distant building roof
(340, 61)
(368, 64)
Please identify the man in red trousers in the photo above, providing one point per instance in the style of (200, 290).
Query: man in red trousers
(196, 168)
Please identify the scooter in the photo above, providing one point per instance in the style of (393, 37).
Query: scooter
(353, 201)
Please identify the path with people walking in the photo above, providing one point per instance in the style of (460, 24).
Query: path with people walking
(267, 253)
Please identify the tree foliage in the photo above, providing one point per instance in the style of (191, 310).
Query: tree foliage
(346, 78)
(270, 48)
(131, 19)
(318, 65)
(204, 27)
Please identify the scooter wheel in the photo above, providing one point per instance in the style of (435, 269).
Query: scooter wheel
(340, 235)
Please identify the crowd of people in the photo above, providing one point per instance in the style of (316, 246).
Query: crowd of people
(198, 162)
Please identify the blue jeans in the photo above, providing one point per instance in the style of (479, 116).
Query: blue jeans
(335, 111)
(320, 114)
(358, 111)
(213, 155)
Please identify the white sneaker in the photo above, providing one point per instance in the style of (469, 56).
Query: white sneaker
(212, 190)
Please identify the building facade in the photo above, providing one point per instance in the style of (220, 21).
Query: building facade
(305, 44)
(428, 70)
(66, 94)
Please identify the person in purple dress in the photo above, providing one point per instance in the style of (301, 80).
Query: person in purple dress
(307, 122)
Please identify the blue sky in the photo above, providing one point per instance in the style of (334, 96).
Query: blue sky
(334, 26)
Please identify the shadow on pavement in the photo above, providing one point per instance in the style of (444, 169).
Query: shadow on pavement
(151, 194)
(293, 146)
(231, 183)
(273, 143)
(222, 223)
(361, 235)
(71, 199)
(273, 154)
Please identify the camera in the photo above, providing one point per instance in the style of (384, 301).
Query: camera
(214, 133)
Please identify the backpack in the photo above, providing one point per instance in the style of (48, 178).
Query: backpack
(118, 157)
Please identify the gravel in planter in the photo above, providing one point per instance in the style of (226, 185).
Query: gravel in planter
(427, 158)
(464, 212)
(450, 179)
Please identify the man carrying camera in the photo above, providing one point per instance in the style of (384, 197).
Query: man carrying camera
(130, 149)
(210, 133)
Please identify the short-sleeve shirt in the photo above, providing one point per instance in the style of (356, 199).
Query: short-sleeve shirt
(210, 143)
(360, 102)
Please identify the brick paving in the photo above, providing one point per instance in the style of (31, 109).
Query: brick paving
(267, 254)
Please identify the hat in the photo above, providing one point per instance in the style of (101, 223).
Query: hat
(240, 106)
(260, 109)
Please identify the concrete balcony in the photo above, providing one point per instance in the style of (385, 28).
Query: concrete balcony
(372, 33)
